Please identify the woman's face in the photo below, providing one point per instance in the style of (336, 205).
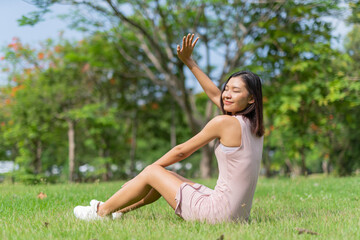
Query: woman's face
(235, 96)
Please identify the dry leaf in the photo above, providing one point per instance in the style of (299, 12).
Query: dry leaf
(303, 230)
(41, 195)
(46, 224)
(221, 237)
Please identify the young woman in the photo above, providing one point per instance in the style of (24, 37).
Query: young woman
(239, 150)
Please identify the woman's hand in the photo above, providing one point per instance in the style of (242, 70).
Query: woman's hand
(188, 45)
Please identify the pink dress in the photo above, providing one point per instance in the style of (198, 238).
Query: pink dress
(232, 197)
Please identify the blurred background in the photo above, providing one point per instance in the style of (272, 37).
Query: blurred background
(93, 90)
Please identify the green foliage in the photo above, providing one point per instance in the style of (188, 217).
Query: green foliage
(83, 82)
(124, 85)
(303, 79)
(354, 6)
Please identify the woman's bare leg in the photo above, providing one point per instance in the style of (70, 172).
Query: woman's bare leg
(152, 196)
(154, 177)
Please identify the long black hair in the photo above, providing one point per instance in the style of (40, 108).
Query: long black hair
(253, 112)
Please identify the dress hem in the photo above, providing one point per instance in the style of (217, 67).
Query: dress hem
(178, 196)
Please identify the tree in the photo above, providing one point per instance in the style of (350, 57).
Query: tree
(234, 31)
(28, 119)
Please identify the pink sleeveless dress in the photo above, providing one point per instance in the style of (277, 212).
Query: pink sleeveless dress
(232, 197)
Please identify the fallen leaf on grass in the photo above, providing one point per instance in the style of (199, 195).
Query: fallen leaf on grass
(41, 195)
(303, 230)
(46, 224)
(221, 237)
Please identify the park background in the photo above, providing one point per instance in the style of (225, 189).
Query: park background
(112, 97)
(98, 93)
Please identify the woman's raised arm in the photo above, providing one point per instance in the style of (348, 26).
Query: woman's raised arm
(184, 53)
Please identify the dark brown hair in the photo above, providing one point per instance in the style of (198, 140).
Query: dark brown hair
(253, 112)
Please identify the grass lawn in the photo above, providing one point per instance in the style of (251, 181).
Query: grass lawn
(329, 207)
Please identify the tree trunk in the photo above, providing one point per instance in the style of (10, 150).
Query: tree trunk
(37, 161)
(303, 162)
(173, 126)
(289, 168)
(267, 163)
(133, 144)
(71, 139)
(107, 174)
(325, 166)
(104, 153)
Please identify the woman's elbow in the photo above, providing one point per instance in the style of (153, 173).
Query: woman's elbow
(180, 152)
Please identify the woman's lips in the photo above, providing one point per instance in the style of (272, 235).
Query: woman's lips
(227, 102)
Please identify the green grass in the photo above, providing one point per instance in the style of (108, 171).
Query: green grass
(327, 206)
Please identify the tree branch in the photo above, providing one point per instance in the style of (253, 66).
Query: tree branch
(139, 28)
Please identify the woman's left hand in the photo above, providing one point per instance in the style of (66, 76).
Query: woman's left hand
(184, 53)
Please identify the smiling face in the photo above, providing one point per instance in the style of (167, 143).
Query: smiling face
(235, 96)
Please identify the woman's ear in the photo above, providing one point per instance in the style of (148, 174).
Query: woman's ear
(251, 99)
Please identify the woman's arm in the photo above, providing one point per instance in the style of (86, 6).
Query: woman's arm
(184, 54)
(223, 127)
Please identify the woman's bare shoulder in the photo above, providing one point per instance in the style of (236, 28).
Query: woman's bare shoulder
(226, 121)
(229, 129)
(224, 118)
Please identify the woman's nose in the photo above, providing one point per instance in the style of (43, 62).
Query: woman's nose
(227, 94)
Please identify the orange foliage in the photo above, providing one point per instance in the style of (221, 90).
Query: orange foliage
(314, 126)
(27, 70)
(331, 117)
(57, 48)
(154, 106)
(265, 99)
(15, 89)
(15, 46)
(7, 101)
(3, 124)
(112, 81)
(2, 58)
(40, 55)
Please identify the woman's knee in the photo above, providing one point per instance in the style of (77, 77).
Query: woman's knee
(151, 170)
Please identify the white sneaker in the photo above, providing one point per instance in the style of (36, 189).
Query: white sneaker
(95, 202)
(88, 212)
(79, 210)
(115, 215)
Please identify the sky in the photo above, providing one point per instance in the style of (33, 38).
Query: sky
(12, 10)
